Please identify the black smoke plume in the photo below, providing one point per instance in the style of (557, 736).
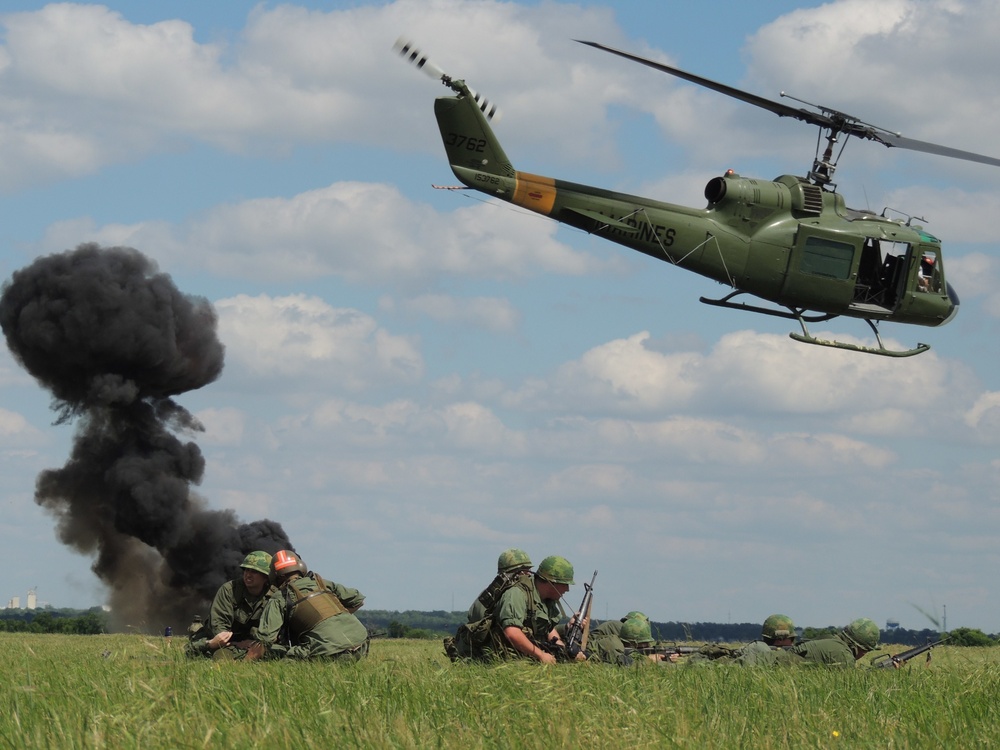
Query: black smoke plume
(113, 340)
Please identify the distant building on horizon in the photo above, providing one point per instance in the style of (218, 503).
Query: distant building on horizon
(15, 601)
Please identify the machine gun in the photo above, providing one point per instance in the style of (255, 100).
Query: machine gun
(578, 631)
(887, 661)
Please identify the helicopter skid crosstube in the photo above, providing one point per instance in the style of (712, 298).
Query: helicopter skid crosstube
(806, 337)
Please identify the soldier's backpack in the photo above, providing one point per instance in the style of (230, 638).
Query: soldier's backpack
(479, 639)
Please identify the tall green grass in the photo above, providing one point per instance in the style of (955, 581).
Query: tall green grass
(131, 691)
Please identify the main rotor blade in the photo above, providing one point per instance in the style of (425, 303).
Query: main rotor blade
(782, 110)
(827, 118)
(890, 140)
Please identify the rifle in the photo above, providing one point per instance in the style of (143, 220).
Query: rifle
(672, 649)
(578, 631)
(666, 651)
(885, 661)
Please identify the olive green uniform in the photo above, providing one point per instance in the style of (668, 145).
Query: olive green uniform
(478, 610)
(607, 647)
(337, 635)
(233, 609)
(833, 651)
(522, 607)
(608, 628)
(760, 654)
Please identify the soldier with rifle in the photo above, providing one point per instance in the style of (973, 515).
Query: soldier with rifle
(633, 645)
(524, 619)
(776, 637)
(843, 649)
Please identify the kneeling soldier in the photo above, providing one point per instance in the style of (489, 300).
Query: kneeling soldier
(318, 616)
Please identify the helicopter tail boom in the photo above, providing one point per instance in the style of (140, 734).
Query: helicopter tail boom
(469, 141)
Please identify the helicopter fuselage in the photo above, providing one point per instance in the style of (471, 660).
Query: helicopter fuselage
(786, 241)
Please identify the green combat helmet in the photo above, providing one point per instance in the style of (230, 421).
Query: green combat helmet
(635, 614)
(777, 628)
(555, 569)
(513, 559)
(257, 560)
(863, 634)
(636, 630)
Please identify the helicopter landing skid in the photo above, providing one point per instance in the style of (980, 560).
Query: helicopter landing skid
(807, 338)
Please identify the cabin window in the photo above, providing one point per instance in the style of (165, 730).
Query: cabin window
(829, 258)
(929, 272)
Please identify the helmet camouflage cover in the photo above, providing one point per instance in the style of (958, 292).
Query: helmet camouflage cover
(636, 630)
(862, 633)
(637, 614)
(257, 560)
(513, 559)
(778, 627)
(556, 569)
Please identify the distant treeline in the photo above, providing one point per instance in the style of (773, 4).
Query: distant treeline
(415, 624)
(73, 621)
(437, 624)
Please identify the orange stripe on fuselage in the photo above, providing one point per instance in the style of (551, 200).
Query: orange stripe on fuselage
(534, 192)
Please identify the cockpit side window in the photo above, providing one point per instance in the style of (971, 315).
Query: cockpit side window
(929, 273)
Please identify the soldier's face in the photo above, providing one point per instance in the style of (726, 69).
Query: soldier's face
(254, 581)
(552, 591)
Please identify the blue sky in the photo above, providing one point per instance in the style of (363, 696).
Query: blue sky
(417, 379)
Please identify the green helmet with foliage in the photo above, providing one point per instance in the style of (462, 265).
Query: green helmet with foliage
(862, 633)
(635, 614)
(636, 630)
(555, 569)
(257, 560)
(778, 627)
(513, 559)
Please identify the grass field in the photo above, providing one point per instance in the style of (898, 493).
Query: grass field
(132, 691)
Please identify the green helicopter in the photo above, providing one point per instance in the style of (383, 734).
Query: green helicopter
(791, 241)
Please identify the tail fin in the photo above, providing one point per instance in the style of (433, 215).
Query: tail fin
(468, 138)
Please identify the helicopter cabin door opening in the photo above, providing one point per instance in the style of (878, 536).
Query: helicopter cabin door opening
(881, 275)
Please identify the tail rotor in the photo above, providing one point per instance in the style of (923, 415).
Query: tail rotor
(414, 56)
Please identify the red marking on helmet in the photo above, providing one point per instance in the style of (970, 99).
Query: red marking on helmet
(284, 560)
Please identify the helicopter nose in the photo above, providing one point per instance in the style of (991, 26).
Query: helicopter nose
(953, 297)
